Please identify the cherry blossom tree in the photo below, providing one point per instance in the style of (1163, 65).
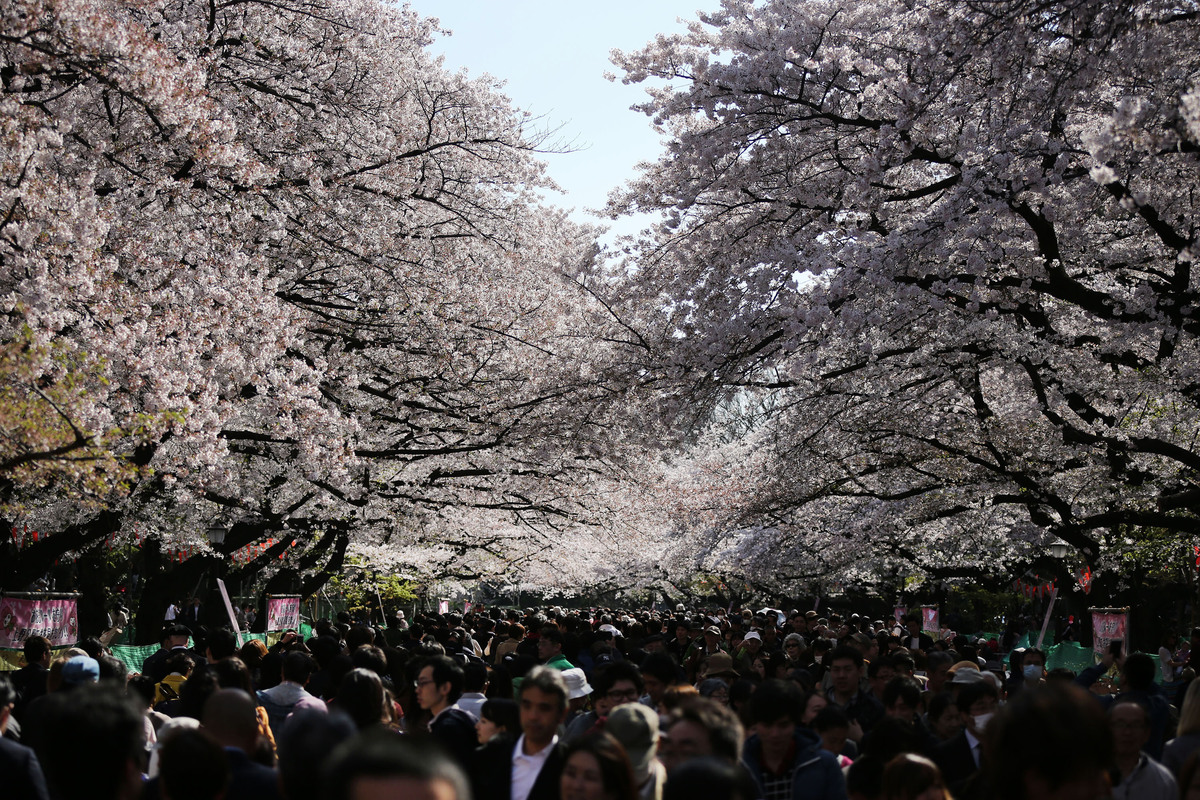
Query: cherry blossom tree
(270, 267)
(921, 293)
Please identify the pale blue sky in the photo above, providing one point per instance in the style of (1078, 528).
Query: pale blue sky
(553, 56)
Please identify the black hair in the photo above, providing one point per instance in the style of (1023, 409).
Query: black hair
(974, 691)
(361, 696)
(475, 676)
(87, 739)
(1057, 733)
(775, 700)
(830, 718)
(304, 746)
(844, 651)
(1139, 671)
(298, 667)
(711, 778)
(902, 688)
(222, 643)
(192, 766)
(502, 712)
(445, 670)
(382, 754)
(36, 648)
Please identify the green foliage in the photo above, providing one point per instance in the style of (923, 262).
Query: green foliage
(362, 588)
(983, 606)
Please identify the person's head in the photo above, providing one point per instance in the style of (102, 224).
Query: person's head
(624, 683)
(1137, 673)
(360, 695)
(192, 766)
(658, 672)
(304, 746)
(8, 697)
(711, 779)
(845, 669)
(113, 669)
(1048, 742)
(977, 703)
(833, 726)
(378, 764)
(439, 683)
(37, 650)
(543, 705)
(79, 671)
(596, 768)
(879, 672)
(635, 726)
(253, 652)
(498, 717)
(902, 698)
(1130, 724)
(298, 667)
(222, 643)
(944, 717)
(909, 776)
(814, 701)
(913, 624)
(180, 662)
(550, 643)
(475, 677)
(230, 718)
(91, 743)
(702, 728)
(937, 667)
(773, 712)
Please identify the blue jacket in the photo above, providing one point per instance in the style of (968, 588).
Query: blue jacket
(815, 773)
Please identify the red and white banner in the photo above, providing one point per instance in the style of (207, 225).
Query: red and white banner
(57, 620)
(283, 613)
(1107, 627)
(929, 620)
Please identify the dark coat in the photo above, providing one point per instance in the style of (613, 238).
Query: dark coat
(454, 730)
(815, 772)
(491, 778)
(21, 771)
(957, 763)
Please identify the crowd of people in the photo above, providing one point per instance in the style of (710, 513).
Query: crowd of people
(604, 705)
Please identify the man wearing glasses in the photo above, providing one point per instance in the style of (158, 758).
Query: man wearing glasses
(438, 686)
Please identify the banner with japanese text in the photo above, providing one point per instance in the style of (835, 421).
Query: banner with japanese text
(929, 620)
(21, 618)
(283, 613)
(1107, 627)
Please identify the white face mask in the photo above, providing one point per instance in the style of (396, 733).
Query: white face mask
(982, 720)
(1033, 672)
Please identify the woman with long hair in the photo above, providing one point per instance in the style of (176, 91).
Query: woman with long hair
(1187, 733)
(597, 768)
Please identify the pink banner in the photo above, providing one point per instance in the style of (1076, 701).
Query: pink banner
(929, 620)
(55, 619)
(1107, 628)
(283, 613)
(899, 613)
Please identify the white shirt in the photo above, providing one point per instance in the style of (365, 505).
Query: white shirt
(471, 702)
(974, 743)
(525, 769)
